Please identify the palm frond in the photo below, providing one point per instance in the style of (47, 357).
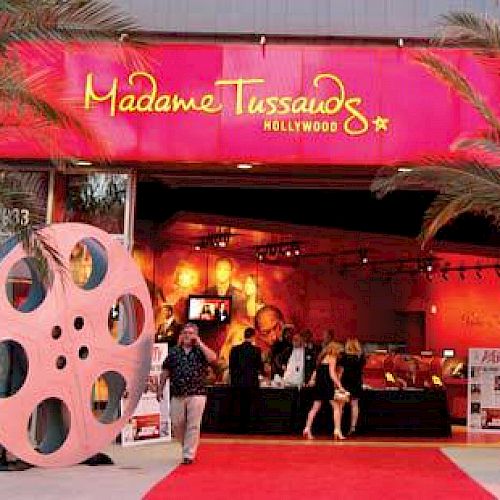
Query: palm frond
(42, 253)
(487, 141)
(467, 29)
(450, 75)
(22, 215)
(23, 100)
(436, 173)
(45, 22)
(462, 185)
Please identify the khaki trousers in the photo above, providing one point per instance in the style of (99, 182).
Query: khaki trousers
(186, 413)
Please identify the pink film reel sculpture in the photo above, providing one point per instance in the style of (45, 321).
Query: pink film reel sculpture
(56, 343)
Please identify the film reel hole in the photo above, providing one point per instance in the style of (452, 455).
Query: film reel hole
(56, 332)
(61, 363)
(49, 426)
(78, 323)
(107, 392)
(13, 368)
(88, 263)
(25, 288)
(126, 319)
(83, 352)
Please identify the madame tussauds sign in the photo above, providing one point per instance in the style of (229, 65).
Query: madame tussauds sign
(323, 113)
(239, 103)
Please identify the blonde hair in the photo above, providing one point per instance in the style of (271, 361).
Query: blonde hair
(352, 346)
(331, 349)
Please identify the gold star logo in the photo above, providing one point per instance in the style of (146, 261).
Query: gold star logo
(380, 123)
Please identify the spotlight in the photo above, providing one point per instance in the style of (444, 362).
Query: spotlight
(288, 253)
(479, 274)
(363, 256)
(263, 40)
(401, 43)
(461, 273)
(197, 247)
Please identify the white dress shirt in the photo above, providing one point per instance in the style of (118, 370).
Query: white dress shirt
(294, 373)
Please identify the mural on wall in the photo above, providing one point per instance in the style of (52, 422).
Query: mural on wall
(176, 274)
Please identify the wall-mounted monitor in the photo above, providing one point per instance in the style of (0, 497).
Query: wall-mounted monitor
(448, 353)
(209, 309)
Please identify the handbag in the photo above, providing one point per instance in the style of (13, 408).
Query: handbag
(341, 395)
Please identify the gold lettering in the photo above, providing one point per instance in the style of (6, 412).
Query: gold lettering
(162, 104)
(146, 101)
(207, 104)
(356, 115)
(179, 103)
(337, 101)
(272, 102)
(256, 106)
(306, 126)
(239, 84)
(267, 125)
(284, 105)
(127, 104)
(90, 94)
(299, 105)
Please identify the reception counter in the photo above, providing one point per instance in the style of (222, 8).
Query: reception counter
(401, 412)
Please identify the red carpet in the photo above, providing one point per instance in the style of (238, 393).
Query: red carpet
(288, 472)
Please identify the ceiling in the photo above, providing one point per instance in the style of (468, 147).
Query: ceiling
(160, 198)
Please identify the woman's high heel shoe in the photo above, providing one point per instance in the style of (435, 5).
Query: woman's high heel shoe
(307, 433)
(338, 435)
(352, 431)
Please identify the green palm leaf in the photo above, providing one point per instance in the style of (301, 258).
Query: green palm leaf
(463, 185)
(23, 99)
(451, 76)
(466, 29)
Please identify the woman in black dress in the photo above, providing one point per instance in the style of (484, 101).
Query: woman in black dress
(325, 382)
(353, 362)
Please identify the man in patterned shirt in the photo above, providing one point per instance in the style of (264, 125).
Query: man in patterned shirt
(186, 367)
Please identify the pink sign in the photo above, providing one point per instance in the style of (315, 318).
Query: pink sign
(278, 104)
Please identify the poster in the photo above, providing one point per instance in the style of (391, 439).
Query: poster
(150, 422)
(483, 396)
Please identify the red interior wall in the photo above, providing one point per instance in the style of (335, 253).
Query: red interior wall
(466, 311)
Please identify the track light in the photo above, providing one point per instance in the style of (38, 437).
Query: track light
(444, 271)
(276, 251)
(363, 256)
(216, 240)
(461, 273)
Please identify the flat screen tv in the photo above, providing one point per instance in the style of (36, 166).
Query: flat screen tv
(209, 309)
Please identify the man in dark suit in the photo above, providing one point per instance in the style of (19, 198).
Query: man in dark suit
(245, 365)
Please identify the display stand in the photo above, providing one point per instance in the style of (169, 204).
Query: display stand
(483, 391)
(150, 422)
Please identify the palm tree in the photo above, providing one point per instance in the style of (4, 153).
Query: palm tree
(468, 178)
(45, 24)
